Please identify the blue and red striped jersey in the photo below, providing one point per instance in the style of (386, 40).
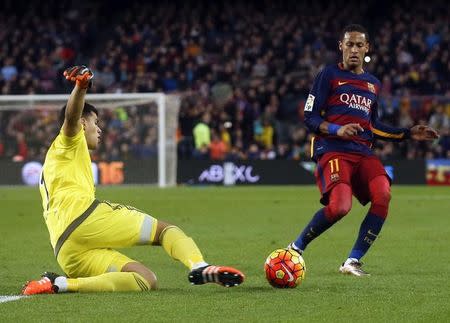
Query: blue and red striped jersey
(342, 97)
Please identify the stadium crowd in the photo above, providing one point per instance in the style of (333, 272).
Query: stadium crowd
(244, 70)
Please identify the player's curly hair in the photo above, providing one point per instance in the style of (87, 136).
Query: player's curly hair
(87, 109)
(354, 27)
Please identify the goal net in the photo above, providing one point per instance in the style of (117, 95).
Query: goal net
(138, 141)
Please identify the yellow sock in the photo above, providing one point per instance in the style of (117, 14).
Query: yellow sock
(180, 247)
(109, 282)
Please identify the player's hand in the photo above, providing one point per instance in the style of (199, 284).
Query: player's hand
(79, 74)
(350, 129)
(423, 133)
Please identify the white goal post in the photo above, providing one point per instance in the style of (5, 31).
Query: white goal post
(167, 110)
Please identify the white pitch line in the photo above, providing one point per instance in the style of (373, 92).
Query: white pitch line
(5, 298)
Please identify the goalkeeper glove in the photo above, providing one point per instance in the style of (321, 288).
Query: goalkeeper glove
(82, 75)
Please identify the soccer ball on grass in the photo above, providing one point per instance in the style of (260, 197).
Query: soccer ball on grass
(285, 268)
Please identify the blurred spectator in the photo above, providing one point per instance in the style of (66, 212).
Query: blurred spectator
(225, 135)
(22, 148)
(439, 120)
(264, 133)
(253, 152)
(202, 137)
(202, 132)
(9, 70)
(148, 148)
(217, 148)
(443, 146)
(2, 148)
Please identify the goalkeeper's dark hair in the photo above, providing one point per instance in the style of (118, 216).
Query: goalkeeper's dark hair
(87, 109)
(354, 27)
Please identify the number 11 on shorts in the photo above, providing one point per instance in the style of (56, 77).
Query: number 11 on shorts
(334, 163)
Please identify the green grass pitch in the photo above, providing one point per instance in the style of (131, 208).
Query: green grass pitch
(239, 227)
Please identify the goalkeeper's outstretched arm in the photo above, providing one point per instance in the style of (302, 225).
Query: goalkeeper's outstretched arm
(81, 76)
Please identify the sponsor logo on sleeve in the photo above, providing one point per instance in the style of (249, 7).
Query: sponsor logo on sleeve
(309, 102)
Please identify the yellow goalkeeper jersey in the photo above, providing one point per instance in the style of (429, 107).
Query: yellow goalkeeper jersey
(66, 183)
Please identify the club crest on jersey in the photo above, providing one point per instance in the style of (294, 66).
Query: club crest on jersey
(371, 87)
(334, 177)
(309, 103)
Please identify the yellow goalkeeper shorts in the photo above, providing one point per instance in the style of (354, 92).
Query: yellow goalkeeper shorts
(85, 249)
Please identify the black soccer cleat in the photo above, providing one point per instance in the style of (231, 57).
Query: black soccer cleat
(224, 276)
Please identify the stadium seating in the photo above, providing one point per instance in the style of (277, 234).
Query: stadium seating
(248, 65)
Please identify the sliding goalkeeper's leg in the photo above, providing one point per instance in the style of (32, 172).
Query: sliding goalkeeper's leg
(181, 247)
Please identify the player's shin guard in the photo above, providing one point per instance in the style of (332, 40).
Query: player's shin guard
(368, 232)
(109, 282)
(318, 224)
(180, 247)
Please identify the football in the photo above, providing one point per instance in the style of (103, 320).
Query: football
(285, 268)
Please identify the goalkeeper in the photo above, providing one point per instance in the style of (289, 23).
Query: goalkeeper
(84, 231)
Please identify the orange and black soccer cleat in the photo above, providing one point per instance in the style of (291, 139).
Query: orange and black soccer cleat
(43, 286)
(225, 276)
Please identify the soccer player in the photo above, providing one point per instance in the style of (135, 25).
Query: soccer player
(84, 231)
(341, 110)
